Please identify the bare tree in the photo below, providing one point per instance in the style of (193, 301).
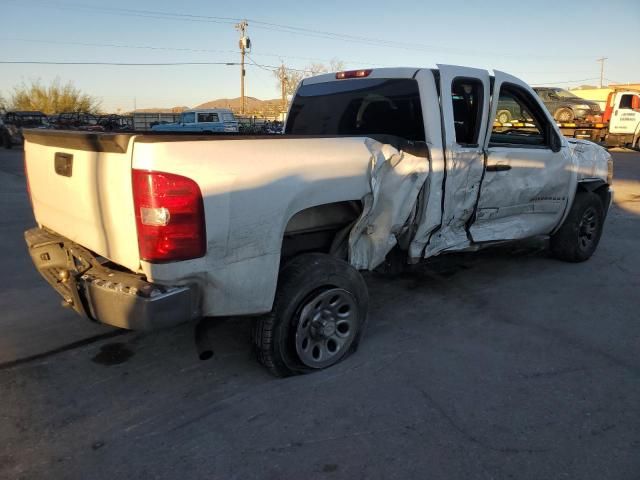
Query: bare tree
(293, 77)
(53, 98)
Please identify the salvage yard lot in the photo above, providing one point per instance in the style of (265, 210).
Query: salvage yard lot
(506, 364)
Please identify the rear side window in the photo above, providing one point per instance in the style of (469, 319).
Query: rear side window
(207, 117)
(358, 107)
(466, 97)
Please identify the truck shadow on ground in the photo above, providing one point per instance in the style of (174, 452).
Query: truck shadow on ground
(215, 341)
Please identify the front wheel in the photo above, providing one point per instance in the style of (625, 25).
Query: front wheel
(564, 115)
(580, 233)
(317, 318)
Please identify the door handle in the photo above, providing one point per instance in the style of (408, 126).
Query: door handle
(498, 167)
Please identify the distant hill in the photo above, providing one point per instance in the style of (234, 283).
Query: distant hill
(162, 110)
(253, 105)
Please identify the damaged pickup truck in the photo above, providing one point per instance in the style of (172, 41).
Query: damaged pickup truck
(142, 231)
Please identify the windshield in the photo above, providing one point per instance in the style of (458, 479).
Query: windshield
(562, 93)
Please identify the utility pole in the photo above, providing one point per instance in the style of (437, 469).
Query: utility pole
(601, 60)
(245, 44)
(283, 85)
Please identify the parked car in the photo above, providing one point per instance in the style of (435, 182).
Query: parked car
(115, 123)
(143, 231)
(13, 123)
(205, 121)
(76, 121)
(565, 106)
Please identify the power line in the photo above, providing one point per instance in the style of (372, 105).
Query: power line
(123, 64)
(273, 68)
(294, 30)
(565, 81)
(181, 49)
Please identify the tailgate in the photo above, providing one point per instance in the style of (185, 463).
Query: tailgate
(80, 186)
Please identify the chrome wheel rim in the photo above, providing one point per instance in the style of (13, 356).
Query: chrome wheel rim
(564, 116)
(503, 118)
(326, 328)
(588, 228)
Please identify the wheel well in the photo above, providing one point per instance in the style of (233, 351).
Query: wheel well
(604, 194)
(314, 229)
(600, 188)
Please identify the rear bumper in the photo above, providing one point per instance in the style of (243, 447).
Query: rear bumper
(103, 294)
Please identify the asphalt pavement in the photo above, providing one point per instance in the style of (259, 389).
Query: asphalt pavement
(505, 364)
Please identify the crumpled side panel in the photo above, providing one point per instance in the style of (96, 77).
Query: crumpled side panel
(431, 215)
(464, 174)
(395, 178)
(528, 199)
(591, 159)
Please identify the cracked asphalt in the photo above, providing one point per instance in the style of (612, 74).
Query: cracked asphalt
(501, 365)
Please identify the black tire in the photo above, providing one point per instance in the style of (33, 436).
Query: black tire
(6, 140)
(503, 116)
(298, 315)
(580, 233)
(564, 115)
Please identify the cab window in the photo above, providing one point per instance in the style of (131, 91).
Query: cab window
(466, 97)
(207, 117)
(519, 120)
(626, 101)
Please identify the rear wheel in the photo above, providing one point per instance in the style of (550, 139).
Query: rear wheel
(580, 233)
(564, 115)
(504, 116)
(317, 318)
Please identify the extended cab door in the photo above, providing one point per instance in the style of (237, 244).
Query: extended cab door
(464, 103)
(188, 121)
(529, 173)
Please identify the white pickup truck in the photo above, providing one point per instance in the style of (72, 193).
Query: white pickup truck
(142, 231)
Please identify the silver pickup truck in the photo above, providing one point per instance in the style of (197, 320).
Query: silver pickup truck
(142, 231)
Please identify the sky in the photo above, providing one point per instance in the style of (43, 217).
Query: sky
(542, 42)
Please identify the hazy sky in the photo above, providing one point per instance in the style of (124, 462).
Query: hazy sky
(541, 42)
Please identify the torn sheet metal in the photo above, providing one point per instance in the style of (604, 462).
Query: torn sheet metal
(464, 169)
(430, 215)
(396, 178)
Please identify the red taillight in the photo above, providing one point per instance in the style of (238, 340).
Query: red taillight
(353, 74)
(169, 216)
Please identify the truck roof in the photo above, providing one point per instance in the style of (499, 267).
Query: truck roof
(208, 110)
(385, 72)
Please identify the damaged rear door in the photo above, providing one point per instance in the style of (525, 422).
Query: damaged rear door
(464, 104)
(528, 174)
